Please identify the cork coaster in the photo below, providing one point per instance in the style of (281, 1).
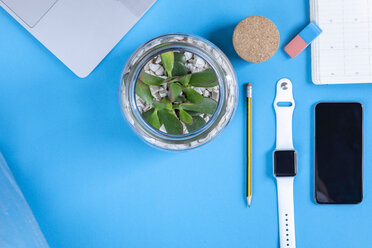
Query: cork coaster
(256, 39)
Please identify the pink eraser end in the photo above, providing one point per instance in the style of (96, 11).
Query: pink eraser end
(296, 46)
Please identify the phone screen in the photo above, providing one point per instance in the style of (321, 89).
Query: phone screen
(339, 153)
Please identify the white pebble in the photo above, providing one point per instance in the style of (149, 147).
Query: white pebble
(215, 96)
(147, 67)
(178, 38)
(146, 108)
(154, 89)
(140, 104)
(150, 72)
(160, 71)
(194, 143)
(163, 92)
(184, 128)
(190, 66)
(188, 55)
(162, 128)
(206, 93)
(199, 62)
(215, 53)
(198, 90)
(154, 67)
(157, 96)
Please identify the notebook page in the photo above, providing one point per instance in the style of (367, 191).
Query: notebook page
(343, 53)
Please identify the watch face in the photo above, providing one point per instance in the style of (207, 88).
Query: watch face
(285, 163)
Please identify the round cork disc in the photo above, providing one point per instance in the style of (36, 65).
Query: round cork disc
(256, 39)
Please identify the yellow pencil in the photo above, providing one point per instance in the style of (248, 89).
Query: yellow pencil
(249, 144)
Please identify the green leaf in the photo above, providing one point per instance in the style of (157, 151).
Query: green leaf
(205, 79)
(167, 59)
(168, 104)
(179, 68)
(185, 117)
(150, 79)
(170, 121)
(207, 106)
(174, 91)
(180, 99)
(197, 123)
(179, 58)
(185, 79)
(158, 105)
(192, 113)
(151, 116)
(193, 96)
(144, 92)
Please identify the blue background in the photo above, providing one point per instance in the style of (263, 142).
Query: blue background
(91, 182)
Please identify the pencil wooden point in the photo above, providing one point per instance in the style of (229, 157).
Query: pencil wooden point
(249, 198)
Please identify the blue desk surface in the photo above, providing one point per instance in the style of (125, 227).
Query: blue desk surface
(91, 182)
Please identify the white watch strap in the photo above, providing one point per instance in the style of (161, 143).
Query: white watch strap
(286, 212)
(284, 114)
(284, 105)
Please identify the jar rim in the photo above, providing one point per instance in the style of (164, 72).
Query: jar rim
(154, 47)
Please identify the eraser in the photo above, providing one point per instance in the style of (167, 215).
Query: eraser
(302, 40)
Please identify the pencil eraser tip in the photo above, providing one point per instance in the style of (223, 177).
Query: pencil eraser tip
(249, 84)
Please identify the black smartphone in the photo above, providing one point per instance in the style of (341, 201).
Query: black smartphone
(338, 153)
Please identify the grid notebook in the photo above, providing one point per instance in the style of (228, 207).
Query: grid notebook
(343, 52)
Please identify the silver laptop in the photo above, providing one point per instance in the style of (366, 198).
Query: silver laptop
(78, 32)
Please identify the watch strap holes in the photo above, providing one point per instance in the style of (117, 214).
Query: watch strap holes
(287, 233)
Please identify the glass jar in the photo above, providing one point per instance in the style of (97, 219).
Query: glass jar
(217, 60)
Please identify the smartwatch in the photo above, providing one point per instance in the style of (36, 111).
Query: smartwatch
(285, 162)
